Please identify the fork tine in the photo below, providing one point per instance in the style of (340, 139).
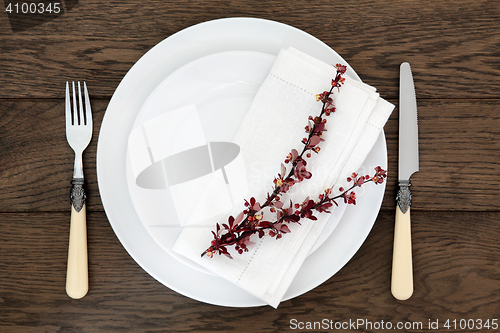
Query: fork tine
(75, 110)
(88, 111)
(81, 119)
(68, 112)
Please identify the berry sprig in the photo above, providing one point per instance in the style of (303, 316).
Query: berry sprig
(236, 233)
(238, 230)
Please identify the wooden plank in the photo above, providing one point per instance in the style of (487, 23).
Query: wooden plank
(453, 49)
(455, 268)
(459, 160)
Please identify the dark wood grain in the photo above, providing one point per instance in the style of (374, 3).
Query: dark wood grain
(454, 51)
(458, 150)
(455, 260)
(459, 160)
(37, 163)
(453, 48)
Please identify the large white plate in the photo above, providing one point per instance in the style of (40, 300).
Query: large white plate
(244, 34)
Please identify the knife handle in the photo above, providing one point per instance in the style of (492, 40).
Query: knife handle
(77, 282)
(402, 268)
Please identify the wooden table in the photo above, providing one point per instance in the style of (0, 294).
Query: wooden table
(454, 50)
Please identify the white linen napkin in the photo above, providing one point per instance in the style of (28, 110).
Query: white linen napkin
(273, 126)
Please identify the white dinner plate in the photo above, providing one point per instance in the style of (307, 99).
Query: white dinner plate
(235, 34)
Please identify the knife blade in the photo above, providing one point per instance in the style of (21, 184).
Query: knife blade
(402, 266)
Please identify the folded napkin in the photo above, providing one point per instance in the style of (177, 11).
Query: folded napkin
(273, 126)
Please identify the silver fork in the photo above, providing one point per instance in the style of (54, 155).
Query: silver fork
(78, 134)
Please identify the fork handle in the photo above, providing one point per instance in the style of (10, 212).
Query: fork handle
(77, 272)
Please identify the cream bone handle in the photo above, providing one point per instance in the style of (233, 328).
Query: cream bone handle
(402, 266)
(77, 284)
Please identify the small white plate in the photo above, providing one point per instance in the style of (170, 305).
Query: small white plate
(235, 34)
(222, 87)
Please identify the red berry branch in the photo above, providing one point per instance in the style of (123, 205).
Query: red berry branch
(238, 230)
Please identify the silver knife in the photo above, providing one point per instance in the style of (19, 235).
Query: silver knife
(402, 267)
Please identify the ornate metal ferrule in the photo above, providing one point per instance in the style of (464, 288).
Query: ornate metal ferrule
(77, 195)
(403, 197)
